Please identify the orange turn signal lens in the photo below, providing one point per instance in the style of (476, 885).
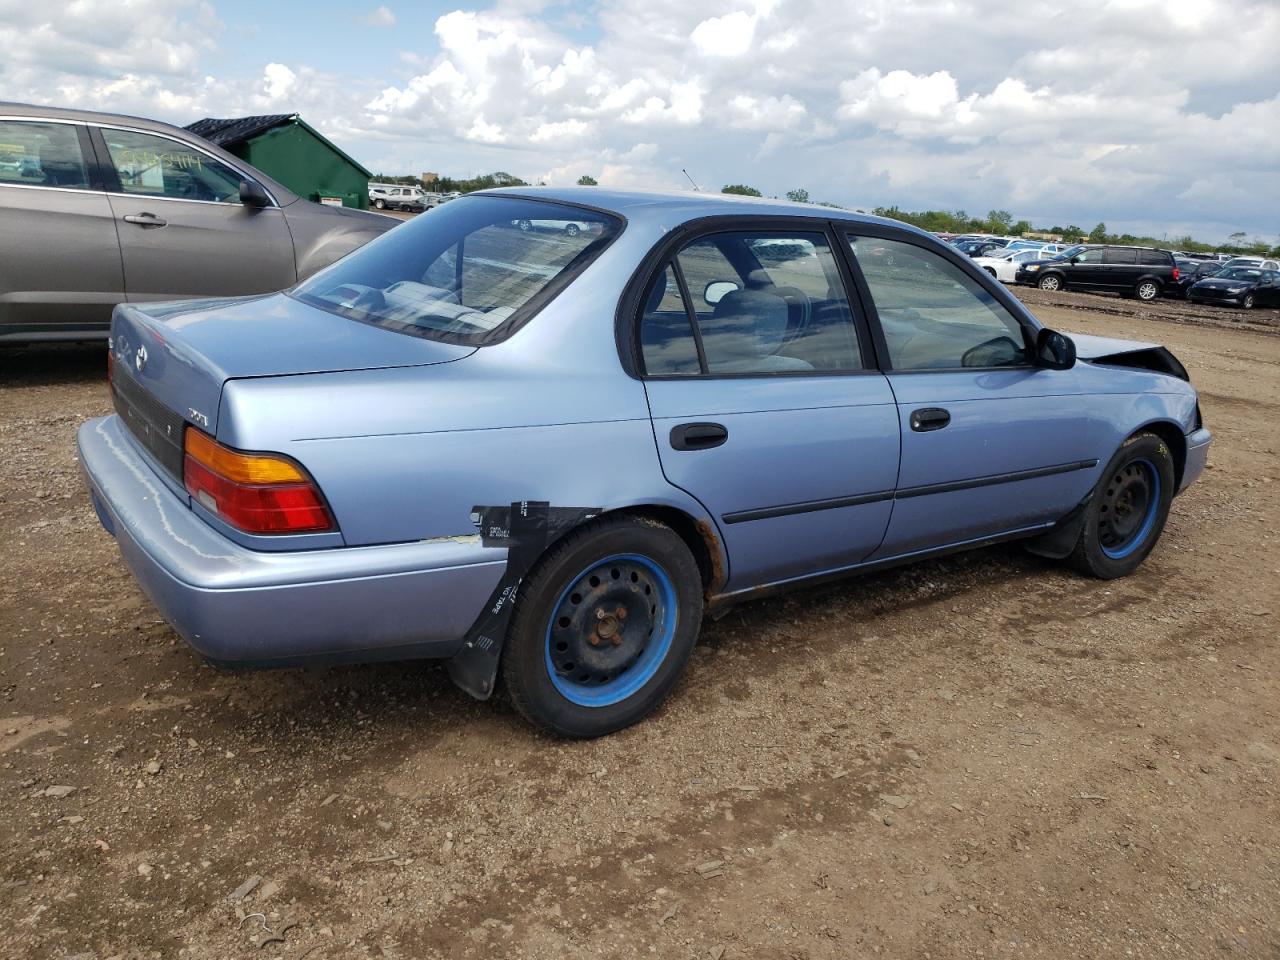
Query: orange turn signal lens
(240, 467)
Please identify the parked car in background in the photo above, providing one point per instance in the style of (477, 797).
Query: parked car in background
(979, 248)
(1246, 287)
(394, 196)
(1193, 272)
(570, 228)
(1262, 263)
(542, 454)
(107, 209)
(1035, 245)
(1142, 272)
(1004, 264)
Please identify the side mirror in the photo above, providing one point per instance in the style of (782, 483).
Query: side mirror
(252, 194)
(1074, 260)
(717, 290)
(1054, 351)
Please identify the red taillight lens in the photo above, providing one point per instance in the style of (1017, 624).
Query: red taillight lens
(256, 493)
(1175, 273)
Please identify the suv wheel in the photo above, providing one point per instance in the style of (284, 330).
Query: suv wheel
(1050, 282)
(380, 204)
(1147, 290)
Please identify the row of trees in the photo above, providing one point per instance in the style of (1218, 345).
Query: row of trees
(936, 221)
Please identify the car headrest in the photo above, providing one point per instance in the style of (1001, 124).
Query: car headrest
(746, 323)
(59, 166)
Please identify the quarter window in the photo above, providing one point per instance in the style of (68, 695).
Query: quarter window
(933, 314)
(153, 166)
(42, 155)
(761, 302)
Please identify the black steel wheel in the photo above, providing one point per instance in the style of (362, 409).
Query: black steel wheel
(1127, 511)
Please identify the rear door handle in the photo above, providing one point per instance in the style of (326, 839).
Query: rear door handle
(145, 220)
(698, 436)
(929, 418)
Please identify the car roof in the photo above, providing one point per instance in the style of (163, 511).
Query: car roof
(11, 109)
(668, 206)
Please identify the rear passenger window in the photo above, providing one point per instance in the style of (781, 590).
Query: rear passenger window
(38, 154)
(666, 336)
(933, 314)
(767, 302)
(1153, 258)
(1121, 256)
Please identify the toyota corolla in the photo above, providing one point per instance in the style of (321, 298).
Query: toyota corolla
(543, 455)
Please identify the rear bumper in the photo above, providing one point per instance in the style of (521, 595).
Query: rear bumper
(1197, 455)
(251, 609)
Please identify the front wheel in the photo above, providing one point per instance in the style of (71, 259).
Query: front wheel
(1128, 509)
(572, 230)
(1050, 282)
(1147, 290)
(603, 627)
(380, 204)
(1247, 302)
(524, 225)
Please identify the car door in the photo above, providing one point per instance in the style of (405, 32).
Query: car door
(59, 257)
(183, 230)
(765, 404)
(1086, 269)
(990, 443)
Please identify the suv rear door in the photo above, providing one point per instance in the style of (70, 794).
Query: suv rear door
(59, 257)
(183, 230)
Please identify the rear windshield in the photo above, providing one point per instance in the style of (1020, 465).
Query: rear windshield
(466, 272)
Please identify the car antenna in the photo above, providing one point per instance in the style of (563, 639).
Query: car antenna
(686, 173)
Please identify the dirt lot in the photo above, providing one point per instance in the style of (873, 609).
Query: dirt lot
(978, 757)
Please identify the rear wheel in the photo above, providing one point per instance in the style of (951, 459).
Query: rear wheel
(572, 229)
(1128, 509)
(990, 270)
(1050, 282)
(524, 225)
(603, 627)
(1147, 290)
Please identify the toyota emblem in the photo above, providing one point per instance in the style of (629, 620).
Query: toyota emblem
(140, 358)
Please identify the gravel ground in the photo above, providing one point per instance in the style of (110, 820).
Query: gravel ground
(982, 756)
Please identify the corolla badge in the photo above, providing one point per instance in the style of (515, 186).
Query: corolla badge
(140, 358)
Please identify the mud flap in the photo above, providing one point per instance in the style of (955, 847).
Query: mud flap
(1061, 539)
(526, 529)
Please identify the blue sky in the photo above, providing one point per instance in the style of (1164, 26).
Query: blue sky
(1159, 116)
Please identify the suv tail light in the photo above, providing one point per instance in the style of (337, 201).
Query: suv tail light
(1175, 273)
(254, 492)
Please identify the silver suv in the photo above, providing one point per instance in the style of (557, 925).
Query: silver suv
(101, 209)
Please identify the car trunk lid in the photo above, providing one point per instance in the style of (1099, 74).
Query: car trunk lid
(178, 355)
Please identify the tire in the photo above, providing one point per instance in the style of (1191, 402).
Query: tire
(380, 204)
(1051, 282)
(572, 229)
(1128, 509)
(1247, 302)
(586, 658)
(991, 271)
(1147, 290)
(524, 225)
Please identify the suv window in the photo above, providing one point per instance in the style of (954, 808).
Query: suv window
(1155, 258)
(1093, 255)
(933, 314)
(1121, 255)
(154, 166)
(42, 155)
(762, 302)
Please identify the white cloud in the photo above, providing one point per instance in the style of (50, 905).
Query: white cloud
(1141, 110)
(382, 17)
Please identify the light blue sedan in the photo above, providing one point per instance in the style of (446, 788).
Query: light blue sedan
(544, 454)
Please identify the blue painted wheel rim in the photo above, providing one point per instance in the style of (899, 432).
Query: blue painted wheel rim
(611, 630)
(1129, 505)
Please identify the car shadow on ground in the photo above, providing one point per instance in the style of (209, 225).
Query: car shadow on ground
(44, 364)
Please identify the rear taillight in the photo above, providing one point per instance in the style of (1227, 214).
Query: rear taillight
(254, 492)
(1175, 273)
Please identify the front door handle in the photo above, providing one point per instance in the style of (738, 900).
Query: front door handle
(698, 436)
(145, 220)
(929, 418)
